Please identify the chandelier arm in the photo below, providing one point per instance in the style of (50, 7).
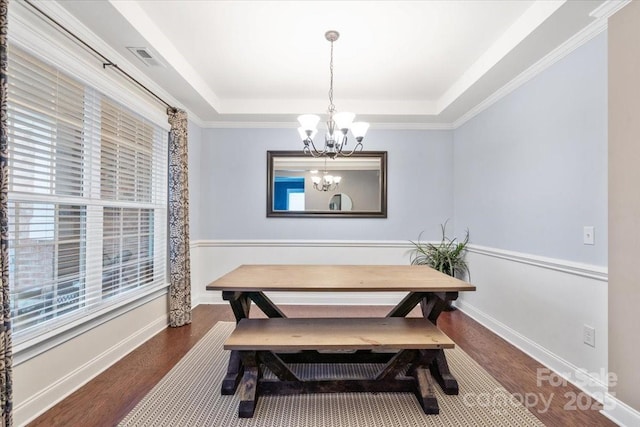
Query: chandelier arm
(343, 143)
(310, 148)
(358, 147)
(325, 187)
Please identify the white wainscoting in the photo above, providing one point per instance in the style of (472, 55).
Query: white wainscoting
(538, 304)
(541, 305)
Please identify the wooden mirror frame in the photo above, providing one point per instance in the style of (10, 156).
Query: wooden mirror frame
(382, 213)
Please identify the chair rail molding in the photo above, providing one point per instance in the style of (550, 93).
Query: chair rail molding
(579, 269)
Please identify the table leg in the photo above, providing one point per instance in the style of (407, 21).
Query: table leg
(240, 304)
(407, 304)
(432, 305)
(265, 304)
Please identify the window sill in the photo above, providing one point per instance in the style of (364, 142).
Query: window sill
(32, 347)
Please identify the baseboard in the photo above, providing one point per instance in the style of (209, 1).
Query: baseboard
(31, 408)
(619, 412)
(585, 381)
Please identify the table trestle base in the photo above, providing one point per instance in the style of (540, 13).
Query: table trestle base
(406, 372)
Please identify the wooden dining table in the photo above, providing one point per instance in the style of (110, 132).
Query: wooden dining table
(429, 288)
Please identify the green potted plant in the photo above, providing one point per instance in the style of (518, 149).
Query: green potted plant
(446, 256)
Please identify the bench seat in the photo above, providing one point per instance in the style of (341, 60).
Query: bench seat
(286, 334)
(265, 342)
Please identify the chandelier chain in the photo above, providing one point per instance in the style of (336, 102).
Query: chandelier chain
(332, 107)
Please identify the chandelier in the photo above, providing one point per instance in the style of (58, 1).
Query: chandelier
(327, 182)
(335, 139)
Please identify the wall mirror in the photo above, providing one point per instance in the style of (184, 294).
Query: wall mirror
(299, 185)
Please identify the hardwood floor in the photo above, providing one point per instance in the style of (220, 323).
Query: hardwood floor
(109, 397)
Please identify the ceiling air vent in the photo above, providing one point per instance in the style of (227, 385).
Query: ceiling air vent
(145, 55)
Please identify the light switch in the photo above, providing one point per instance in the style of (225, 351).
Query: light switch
(587, 235)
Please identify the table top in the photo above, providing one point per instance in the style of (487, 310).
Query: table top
(340, 278)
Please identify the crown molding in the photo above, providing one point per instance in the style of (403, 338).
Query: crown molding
(579, 39)
(601, 14)
(518, 31)
(291, 125)
(608, 8)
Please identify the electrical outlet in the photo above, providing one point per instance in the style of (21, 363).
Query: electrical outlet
(589, 335)
(588, 235)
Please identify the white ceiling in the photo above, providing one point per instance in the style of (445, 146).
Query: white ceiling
(414, 62)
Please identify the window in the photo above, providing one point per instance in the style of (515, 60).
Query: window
(288, 193)
(87, 198)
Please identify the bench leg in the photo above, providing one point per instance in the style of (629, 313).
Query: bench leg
(440, 370)
(234, 373)
(277, 366)
(249, 385)
(396, 365)
(424, 391)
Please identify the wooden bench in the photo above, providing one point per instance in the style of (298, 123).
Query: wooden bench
(414, 343)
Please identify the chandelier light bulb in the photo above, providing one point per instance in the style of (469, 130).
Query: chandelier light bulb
(303, 133)
(309, 122)
(344, 120)
(359, 129)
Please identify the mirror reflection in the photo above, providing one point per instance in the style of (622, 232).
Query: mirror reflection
(300, 185)
(340, 202)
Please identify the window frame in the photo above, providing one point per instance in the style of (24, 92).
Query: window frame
(37, 41)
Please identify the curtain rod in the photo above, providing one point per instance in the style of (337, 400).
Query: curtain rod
(106, 61)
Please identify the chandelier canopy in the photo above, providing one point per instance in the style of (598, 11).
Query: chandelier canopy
(338, 124)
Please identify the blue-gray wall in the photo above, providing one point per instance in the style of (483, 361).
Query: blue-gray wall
(233, 187)
(524, 175)
(531, 170)
(195, 179)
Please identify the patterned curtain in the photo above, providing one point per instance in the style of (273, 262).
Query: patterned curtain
(6, 398)
(179, 265)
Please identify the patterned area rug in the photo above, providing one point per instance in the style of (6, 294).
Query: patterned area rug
(189, 395)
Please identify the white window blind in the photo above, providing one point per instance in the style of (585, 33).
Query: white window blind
(87, 199)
